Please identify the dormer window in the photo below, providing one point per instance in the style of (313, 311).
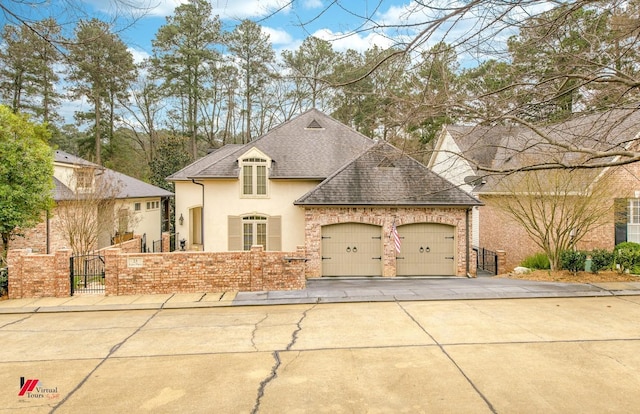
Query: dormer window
(254, 176)
(84, 179)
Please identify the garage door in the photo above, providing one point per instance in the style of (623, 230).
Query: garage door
(351, 249)
(428, 249)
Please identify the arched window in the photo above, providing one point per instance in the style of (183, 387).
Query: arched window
(254, 176)
(254, 229)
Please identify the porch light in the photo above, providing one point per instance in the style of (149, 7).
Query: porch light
(181, 219)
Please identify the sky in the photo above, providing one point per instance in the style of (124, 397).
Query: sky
(347, 24)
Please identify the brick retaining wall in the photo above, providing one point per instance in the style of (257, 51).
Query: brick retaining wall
(42, 275)
(38, 275)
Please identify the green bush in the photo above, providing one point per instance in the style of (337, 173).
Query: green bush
(536, 261)
(600, 260)
(572, 260)
(627, 256)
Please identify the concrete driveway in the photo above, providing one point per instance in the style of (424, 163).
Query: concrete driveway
(551, 355)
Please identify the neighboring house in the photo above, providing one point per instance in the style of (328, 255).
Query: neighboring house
(461, 153)
(121, 205)
(316, 183)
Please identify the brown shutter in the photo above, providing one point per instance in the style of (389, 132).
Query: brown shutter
(274, 231)
(234, 230)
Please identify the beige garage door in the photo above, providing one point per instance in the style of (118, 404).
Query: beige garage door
(428, 249)
(351, 249)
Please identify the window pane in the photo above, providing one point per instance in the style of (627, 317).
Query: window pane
(248, 235)
(261, 234)
(261, 179)
(247, 179)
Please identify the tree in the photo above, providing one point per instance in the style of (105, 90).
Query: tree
(27, 74)
(311, 67)
(26, 171)
(556, 208)
(564, 57)
(254, 55)
(101, 69)
(183, 54)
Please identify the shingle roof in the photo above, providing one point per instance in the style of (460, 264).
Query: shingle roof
(127, 187)
(195, 167)
(312, 146)
(384, 175)
(515, 147)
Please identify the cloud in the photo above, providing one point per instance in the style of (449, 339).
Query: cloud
(277, 36)
(312, 4)
(345, 41)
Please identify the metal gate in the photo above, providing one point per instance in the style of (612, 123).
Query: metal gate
(87, 274)
(487, 260)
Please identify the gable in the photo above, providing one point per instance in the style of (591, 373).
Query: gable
(310, 146)
(384, 175)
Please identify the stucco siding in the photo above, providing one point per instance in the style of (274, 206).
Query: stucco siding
(223, 199)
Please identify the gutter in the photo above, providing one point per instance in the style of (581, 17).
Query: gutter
(193, 180)
(467, 241)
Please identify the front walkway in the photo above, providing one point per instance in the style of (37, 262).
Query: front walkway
(332, 290)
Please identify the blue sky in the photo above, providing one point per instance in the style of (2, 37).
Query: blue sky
(287, 28)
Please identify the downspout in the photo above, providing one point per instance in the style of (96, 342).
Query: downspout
(467, 241)
(48, 233)
(193, 180)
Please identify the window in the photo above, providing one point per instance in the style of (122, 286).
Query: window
(254, 177)
(152, 205)
(253, 230)
(136, 206)
(84, 179)
(633, 220)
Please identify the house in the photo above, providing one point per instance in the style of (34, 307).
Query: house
(465, 155)
(316, 183)
(92, 199)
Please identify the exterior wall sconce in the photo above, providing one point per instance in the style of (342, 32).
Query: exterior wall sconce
(181, 219)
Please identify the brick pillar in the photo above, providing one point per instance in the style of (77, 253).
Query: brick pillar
(257, 260)
(473, 263)
(62, 265)
(111, 271)
(502, 262)
(15, 260)
(166, 242)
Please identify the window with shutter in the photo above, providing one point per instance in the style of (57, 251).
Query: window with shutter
(254, 230)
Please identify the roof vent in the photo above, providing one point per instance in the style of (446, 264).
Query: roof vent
(314, 125)
(386, 163)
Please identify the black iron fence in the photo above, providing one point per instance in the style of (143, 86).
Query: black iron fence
(87, 274)
(486, 260)
(4, 281)
(174, 243)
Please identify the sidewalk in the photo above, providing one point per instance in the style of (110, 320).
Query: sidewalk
(334, 290)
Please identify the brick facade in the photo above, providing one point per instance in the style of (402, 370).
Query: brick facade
(315, 218)
(498, 231)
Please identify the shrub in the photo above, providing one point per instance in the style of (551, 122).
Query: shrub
(572, 260)
(627, 256)
(537, 261)
(601, 259)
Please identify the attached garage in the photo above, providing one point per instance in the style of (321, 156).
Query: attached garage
(351, 249)
(428, 249)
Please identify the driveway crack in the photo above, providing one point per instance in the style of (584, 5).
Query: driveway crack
(277, 362)
(109, 354)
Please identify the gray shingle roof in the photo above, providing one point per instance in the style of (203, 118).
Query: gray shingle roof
(312, 146)
(384, 175)
(516, 147)
(127, 187)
